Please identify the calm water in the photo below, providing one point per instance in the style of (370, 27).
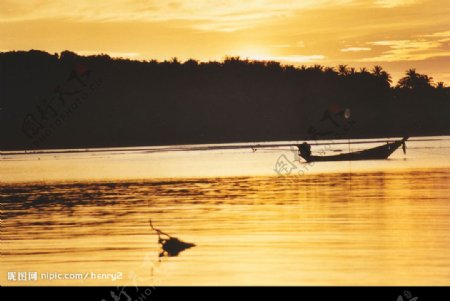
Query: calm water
(361, 223)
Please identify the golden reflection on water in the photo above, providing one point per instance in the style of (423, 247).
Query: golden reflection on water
(377, 228)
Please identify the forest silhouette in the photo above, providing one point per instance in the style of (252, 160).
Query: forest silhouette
(70, 101)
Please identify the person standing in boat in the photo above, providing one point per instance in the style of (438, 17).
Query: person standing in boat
(304, 150)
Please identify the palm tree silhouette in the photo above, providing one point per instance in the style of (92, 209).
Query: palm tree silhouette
(343, 70)
(414, 80)
(382, 75)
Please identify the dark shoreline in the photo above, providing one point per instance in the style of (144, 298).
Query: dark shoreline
(63, 101)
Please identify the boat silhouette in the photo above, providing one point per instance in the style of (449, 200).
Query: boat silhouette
(376, 153)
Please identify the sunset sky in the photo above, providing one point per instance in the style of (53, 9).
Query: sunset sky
(396, 34)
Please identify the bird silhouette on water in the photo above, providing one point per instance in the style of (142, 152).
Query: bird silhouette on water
(171, 246)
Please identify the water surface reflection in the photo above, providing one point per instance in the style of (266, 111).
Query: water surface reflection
(376, 228)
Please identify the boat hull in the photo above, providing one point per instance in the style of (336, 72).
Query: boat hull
(376, 153)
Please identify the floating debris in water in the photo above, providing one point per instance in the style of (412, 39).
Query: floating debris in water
(171, 246)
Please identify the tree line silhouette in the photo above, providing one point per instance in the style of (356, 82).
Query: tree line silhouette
(173, 102)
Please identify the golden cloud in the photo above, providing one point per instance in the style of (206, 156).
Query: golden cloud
(226, 15)
(395, 3)
(356, 49)
(425, 47)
